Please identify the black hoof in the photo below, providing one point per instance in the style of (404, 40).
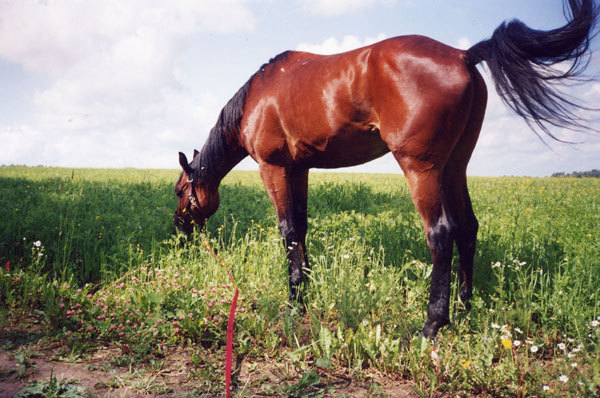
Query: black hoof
(430, 330)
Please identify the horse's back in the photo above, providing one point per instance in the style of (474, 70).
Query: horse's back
(332, 110)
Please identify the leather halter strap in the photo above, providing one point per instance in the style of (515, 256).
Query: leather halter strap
(192, 200)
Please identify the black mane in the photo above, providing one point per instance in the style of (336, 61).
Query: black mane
(217, 150)
(283, 56)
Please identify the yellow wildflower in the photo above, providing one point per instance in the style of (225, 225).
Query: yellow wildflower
(506, 343)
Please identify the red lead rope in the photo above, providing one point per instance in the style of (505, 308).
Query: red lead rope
(230, 321)
(229, 345)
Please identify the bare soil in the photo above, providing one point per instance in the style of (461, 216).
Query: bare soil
(27, 356)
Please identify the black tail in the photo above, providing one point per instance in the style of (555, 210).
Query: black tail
(522, 62)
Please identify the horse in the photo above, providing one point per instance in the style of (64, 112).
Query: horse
(415, 97)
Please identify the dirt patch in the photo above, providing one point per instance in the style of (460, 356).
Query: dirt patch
(270, 380)
(96, 373)
(27, 356)
(15, 376)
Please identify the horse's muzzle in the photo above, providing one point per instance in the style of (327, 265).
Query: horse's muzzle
(184, 223)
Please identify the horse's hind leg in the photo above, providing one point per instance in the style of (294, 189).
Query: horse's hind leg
(425, 142)
(445, 209)
(461, 212)
(427, 194)
(456, 193)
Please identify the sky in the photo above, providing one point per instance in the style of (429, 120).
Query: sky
(130, 83)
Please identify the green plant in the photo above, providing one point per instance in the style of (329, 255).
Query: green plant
(113, 273)
(52, 388)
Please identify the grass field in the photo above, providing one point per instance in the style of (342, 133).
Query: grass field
(90, 255)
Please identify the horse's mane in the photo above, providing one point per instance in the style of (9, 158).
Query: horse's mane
(227, 128)
(279, 57)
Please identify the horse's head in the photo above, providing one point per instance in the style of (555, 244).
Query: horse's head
(197, 198)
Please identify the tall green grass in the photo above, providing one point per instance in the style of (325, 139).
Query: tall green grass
(111, 269)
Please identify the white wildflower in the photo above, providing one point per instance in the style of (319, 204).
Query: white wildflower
(517, 343)
(561, 346)
(534, 348)
(37, 243)
(563, 378)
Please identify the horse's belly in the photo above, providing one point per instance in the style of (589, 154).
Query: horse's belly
(344, 150)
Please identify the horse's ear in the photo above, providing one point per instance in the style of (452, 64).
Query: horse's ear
(196, 153)
(185, 165)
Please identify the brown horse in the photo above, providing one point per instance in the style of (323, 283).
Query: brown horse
(420, 99)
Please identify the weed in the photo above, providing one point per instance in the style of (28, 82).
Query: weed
(25, 365)
(52, 388)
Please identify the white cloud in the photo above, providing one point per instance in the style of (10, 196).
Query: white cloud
(331, 45)
(507, 146)
(113, 65)
(339, 7)
(463, 43)
(50, 36)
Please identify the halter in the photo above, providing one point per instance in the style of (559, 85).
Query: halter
(192, 196)
(192, 199)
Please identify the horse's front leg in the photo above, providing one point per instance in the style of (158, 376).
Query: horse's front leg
(288, 190)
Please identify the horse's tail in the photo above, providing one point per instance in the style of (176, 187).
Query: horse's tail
(523, 63)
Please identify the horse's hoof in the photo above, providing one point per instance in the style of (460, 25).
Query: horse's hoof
(430, 329)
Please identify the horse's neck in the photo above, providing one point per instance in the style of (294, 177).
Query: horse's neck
(219, 155)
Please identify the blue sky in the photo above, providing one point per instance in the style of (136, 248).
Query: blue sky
(130, 83)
